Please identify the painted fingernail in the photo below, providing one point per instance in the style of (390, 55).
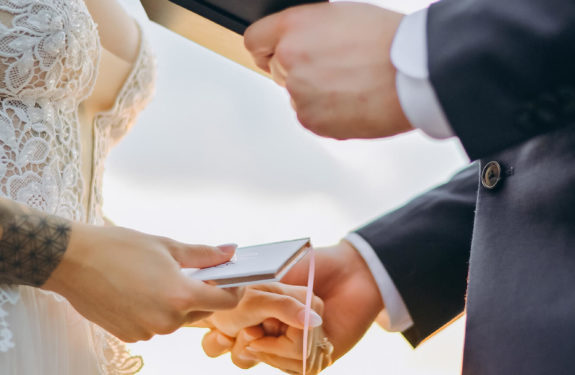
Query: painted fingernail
(314, 319)
(223, 340)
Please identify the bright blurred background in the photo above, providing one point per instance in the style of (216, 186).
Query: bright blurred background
(219, 157)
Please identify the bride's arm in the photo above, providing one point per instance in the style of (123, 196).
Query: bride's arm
(120, 39)
(118, 32)
(31, 244)
(127, 282)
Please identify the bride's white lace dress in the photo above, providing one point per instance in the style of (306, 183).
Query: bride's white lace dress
(49, 55)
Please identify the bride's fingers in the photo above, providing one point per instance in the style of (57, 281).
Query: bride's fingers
(278, 302)
(273, 327)
(216, 343)
(298, 292)
(293, 366)
(288, 345)
(281, 346)
(262, 305)
(240, 356)
(288, 302)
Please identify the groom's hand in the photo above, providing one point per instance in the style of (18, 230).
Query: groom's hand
(350, 294)
(334, 59)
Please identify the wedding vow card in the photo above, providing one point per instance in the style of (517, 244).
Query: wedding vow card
(255, 264)
(216, 24)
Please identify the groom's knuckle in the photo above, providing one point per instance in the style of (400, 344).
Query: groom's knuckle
(289, 19)
(252, 39)
(286, 54)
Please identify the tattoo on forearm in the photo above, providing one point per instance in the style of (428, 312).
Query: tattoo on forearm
(31, 244)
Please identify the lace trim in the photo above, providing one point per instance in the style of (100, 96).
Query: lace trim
(7, 295)
(109, 127)
(117, 360)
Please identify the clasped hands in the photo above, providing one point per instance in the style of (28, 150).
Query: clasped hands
(267, 325)
(130, 284)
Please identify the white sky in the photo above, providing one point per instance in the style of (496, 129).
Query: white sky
(219, 157)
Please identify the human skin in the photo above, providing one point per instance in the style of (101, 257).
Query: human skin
(350, 303)
(127, 282)
(130, 283)
(334, 60)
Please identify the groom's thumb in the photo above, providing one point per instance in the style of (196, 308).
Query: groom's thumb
(201, 256)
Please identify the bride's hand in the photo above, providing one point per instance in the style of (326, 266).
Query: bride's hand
(130, 283)
(268, 314)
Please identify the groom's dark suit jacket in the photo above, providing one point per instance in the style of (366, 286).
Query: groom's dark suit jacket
(504, 73)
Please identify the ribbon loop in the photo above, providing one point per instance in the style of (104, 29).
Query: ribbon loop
(308, 298)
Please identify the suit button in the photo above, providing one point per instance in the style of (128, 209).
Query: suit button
(491, 175)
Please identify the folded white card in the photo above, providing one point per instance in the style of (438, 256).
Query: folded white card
(255, 264)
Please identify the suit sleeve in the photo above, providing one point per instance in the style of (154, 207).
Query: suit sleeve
(502, 70)
(425, 247)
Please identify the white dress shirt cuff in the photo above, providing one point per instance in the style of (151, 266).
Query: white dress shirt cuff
(395, 316)
(416, 95)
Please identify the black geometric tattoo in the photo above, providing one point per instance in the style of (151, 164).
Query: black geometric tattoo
(31, 244)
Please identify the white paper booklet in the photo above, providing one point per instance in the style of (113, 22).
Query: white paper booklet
(255, 264)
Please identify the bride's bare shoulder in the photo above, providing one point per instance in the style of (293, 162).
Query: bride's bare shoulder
(119, 33)
(120, 42)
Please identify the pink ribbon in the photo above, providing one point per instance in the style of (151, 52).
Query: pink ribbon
(308, 297)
